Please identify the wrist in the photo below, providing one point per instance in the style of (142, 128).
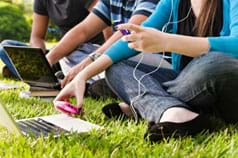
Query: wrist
(93, 56)
(88, 60)
(81, 76)
(167, 44)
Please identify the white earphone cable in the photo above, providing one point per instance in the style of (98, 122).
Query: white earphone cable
(164, 29)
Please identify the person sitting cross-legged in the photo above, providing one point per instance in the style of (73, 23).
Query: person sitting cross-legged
(176, 102)
(65, 15)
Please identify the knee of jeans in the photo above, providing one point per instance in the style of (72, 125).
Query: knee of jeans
(217, 56)
(6, 42)
(113, 73)
(13, 42)
(212, 63)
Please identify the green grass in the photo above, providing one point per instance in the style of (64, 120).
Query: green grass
(117, 139)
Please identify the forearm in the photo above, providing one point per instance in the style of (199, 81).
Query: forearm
(66, 45)
(38, 31)
(81, 33)
(117, 35)
(186, 45)
(99, 65)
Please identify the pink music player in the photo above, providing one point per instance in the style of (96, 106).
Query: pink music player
(67, 108)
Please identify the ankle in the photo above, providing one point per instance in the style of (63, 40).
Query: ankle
(177, 115)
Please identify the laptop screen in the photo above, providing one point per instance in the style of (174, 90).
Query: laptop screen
(31, 65)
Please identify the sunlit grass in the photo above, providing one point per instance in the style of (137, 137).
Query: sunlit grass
(117, 139)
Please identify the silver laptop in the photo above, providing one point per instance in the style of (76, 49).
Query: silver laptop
(44, 126)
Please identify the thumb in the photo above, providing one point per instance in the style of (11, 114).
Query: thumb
(79, 95)
(79, 100)
(63, 82)
(64, 94)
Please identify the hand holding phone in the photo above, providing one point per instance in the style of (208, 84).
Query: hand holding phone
(118, 22)
(67, 108)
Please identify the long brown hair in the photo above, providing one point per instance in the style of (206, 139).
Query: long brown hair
(209, 21)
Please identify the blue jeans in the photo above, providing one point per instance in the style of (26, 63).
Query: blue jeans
(208, 84)
(5, 58)
(77, 55)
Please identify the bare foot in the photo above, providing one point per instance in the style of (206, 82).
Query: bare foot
(125, 108)
(177, 115)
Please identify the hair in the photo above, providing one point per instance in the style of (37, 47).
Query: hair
(208, 23)
(210, 19)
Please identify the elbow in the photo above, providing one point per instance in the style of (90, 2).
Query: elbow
(226, 44)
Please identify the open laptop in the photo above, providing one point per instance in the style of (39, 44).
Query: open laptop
(32, 66)
(44, 126)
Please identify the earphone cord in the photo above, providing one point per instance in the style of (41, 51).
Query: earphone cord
(139, 81)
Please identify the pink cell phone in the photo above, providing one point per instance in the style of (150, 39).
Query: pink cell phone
(67, 108)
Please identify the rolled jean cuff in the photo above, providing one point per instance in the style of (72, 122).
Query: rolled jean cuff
(154, 114)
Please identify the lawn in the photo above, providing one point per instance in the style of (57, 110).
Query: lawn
(117, 139)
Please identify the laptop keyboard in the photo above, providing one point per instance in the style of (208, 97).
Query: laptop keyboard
(39, 127)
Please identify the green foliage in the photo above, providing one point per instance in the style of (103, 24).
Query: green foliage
(9, 1)
(13, 24)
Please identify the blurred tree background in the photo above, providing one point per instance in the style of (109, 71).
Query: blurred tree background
(13, 22)
(16, 20)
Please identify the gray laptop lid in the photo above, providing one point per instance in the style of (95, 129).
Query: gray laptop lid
(32, 66)
(45, 125)
(34, 127)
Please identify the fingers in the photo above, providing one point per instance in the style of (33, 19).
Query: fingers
(69, 77)
(135, 35)
(130, 27)
(64, 95)
(63, 82)
(133, 45)
(133, 41)
(130, 38)
(66, 80)
(79, 99)
(75, 89)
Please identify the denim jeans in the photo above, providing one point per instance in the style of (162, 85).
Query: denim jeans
(85, 49)
(5, 58)
(77, 56)
(208, 84)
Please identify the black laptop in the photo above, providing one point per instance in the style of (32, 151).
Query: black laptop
(32, 66)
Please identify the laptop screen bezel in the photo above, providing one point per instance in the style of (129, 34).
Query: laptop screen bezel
(53, 85)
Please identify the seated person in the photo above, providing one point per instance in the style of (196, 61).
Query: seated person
(63, 13)
(104, 14)
(180, 101)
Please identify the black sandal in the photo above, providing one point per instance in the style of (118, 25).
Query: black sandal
(166, 130)
(113, 110)
(99, 89)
